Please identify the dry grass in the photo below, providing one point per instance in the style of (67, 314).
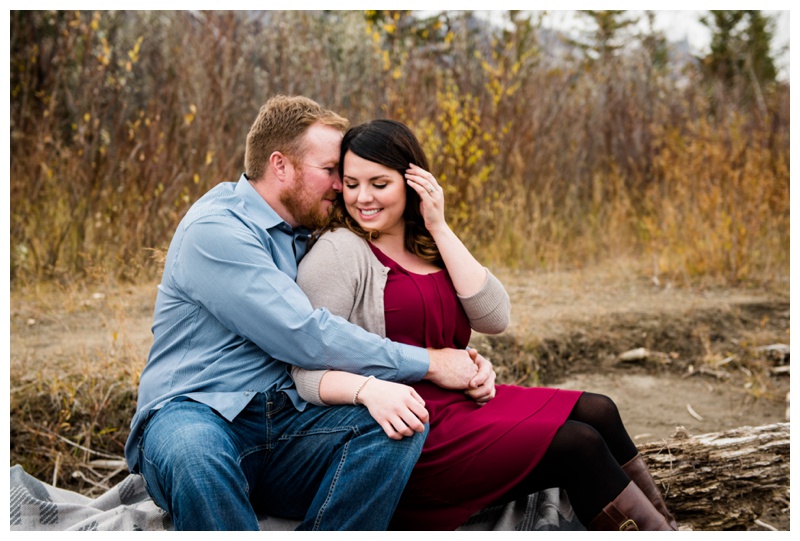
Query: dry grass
(76, 356)
(119, 121)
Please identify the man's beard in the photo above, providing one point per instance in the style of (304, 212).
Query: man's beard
(305, 208)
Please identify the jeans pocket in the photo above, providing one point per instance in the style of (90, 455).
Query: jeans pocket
(277, 402)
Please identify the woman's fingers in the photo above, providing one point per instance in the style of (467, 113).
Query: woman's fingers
(423, 178)
(415, 417)
(403, 425)
(423, 187)
(410, 419)
(390, 431)
(430, 193)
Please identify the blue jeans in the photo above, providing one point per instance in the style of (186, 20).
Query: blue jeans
(333, 468)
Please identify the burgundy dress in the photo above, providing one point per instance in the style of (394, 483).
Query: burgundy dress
(473, 454)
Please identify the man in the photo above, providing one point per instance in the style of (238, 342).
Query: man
(220, 433)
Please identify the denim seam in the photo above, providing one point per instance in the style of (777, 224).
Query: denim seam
(250, 451)
(335, 480)
(143, 459)
(147, 485)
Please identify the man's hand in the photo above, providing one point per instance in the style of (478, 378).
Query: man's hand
(482, 385)
(452, 369)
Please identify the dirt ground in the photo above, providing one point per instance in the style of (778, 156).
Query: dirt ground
(704, 359)
(704, 370)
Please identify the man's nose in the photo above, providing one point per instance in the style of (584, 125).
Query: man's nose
(337, 183)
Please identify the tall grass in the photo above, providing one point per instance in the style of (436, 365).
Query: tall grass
(120, 120)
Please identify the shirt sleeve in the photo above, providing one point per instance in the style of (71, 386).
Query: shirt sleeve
(225, 267)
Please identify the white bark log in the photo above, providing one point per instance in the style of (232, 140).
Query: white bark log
(723, 480)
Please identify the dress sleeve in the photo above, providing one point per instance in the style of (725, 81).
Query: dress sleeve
(488, 310)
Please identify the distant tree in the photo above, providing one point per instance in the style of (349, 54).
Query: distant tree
(604, 61)
(655, 43)
(740, 47)
(760, 33)
(606, 38)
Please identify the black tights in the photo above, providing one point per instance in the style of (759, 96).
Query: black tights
(585, 457)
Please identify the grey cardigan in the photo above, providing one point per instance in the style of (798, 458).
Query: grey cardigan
(342, 274)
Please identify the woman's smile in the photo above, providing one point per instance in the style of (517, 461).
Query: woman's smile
(369, 213)
(374, 195)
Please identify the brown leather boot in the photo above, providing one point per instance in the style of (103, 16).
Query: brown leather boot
(639, 474)
(631, 510)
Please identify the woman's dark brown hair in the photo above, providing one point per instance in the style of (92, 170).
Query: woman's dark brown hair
(393, 145)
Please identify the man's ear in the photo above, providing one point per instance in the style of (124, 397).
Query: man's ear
(280, 165)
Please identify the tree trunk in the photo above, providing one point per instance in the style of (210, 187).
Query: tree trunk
(724, 480)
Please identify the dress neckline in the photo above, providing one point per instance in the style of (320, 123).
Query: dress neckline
(378, 252)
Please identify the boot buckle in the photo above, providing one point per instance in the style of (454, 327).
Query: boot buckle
(628, 526)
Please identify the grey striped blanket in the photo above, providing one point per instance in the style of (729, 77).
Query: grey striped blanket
(36, 505)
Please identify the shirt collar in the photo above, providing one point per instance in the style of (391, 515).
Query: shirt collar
(260, 211)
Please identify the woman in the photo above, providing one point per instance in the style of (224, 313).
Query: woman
(389, 262)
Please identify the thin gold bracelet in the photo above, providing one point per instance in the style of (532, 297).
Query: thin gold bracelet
(355, 396)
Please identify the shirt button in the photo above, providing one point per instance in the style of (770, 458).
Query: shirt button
(247, 394)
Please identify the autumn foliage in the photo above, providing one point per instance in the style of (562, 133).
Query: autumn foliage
(552, 154)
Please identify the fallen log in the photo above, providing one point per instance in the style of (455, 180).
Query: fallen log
(723, 480)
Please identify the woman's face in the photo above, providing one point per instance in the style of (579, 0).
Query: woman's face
(374, 195)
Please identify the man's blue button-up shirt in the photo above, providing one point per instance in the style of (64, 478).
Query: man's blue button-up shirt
(229, 316)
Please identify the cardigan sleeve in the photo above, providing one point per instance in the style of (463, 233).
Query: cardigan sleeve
(488, 310)
(307, 383)
(327, 280)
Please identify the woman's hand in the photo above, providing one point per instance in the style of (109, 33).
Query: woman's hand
(431, 196)
(398, 408)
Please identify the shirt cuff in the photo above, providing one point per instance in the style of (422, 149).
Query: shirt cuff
(416, 364)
